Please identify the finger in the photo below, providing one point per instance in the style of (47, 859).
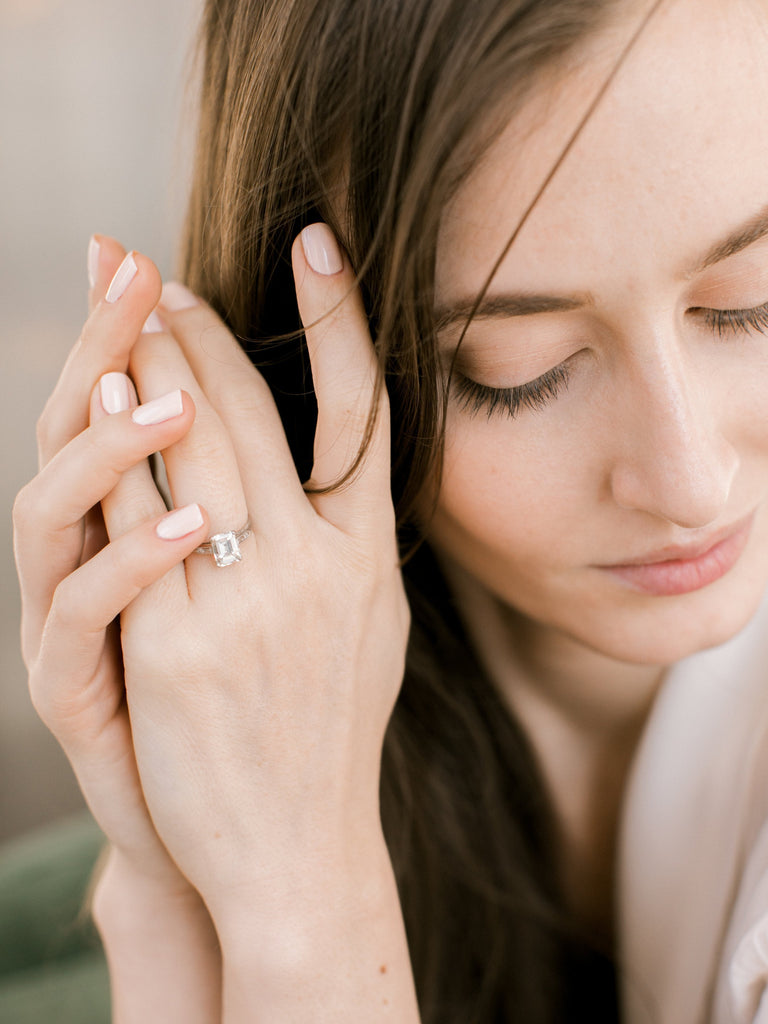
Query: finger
(347, 384)
(135, 496)
(243, 402)
(104, 345)
(87, 601)
(202, 465)
(49, 511)
(103, 258)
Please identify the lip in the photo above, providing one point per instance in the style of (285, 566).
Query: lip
(684, 568)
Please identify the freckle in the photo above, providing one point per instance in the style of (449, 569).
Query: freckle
(217, 835)
(386, 1002)
(383, 969)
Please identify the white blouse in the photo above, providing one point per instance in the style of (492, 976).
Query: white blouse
(693, 861)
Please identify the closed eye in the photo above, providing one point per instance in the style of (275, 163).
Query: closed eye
(735, 321)
(475, 398)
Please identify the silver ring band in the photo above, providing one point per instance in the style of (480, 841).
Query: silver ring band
(225, 547)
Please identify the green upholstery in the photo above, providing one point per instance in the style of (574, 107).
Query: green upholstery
(52, 969)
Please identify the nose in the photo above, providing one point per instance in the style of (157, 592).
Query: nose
(672, 459)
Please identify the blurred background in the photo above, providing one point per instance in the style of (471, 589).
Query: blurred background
(93, 109)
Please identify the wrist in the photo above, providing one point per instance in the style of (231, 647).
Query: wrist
(332, 952)
(126, 897)
(279, 934)
(161, 946)
(293, 894)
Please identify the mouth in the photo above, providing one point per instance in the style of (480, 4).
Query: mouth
(682, 569)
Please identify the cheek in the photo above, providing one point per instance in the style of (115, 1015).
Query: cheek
(745, 397)
(513, 488)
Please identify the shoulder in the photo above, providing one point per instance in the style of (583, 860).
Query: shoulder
(693, 868)
(743, 970)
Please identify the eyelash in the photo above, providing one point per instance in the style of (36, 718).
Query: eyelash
(736, 321)
(474, 397)
(536, 394)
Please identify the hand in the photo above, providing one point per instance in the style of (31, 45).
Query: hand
(259, 693)
(73, 583)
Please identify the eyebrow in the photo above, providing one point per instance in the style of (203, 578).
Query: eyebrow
(741, 238)
(507, 304)
(512, 304)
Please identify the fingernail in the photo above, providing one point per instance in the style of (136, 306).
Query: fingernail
(180, 522)
(114, 392)
(159, 409)
(153, 324)
(124, 274)
(93, 261)
(321, 249)
(176, 297)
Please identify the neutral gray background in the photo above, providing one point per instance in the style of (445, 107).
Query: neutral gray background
(92, 94)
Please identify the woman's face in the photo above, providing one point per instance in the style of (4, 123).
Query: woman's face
(621, 498)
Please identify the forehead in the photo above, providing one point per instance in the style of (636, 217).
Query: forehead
(674, 156)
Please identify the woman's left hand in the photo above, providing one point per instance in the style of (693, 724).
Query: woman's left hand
(259, 693)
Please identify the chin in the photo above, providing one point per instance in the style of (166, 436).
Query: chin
(661, 631)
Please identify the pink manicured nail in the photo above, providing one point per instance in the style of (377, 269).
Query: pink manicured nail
(321, 249)
(124, 274)
(159, 409)
(114, 392)
(93, 261)
(153, 324)
(180, 522)
(176, 297)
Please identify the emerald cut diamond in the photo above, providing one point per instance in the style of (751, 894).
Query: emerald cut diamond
(225, 548)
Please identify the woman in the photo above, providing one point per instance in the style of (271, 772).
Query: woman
(555, 214)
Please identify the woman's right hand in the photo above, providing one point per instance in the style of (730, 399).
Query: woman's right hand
(71, 576)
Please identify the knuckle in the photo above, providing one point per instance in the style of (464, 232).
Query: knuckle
(99, 440)
(38, 695)
(66, 606)
(123, 563)
(21, 508)
(205, 454)
(243, 402)
(55, 706)
(49, 703)
(109, 448)
(136, 506)
(29, 510)
(129, 567)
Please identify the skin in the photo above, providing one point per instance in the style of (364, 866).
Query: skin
(660, 438)
(272, 817)
(214, 904)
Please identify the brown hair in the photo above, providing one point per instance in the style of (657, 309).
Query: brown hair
(366, 114)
